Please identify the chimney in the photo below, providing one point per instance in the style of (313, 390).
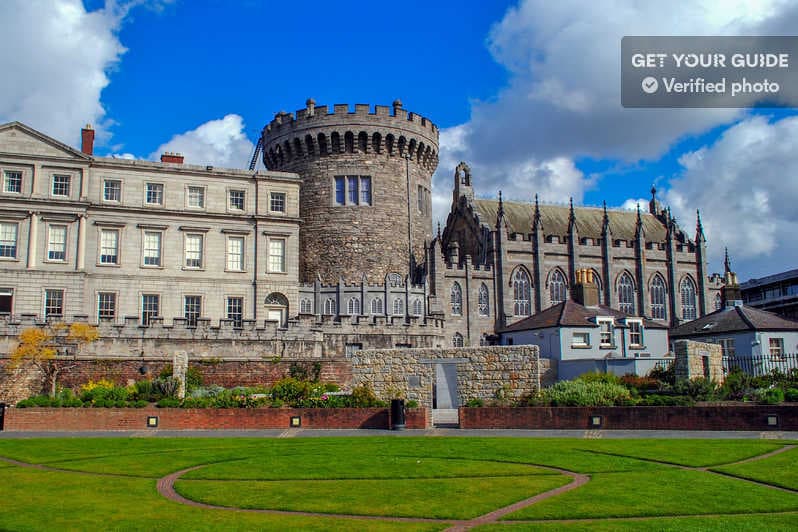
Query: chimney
(87, 140)
(171, 157)
(585, 290)
(730, 293)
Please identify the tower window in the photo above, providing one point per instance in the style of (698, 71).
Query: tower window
(352, 190)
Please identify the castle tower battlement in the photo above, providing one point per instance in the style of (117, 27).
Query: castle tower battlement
(366, 195)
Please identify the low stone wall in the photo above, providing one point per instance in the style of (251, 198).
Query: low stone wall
(481, 371)
(91, 419)
(698, 359)
(737, 417)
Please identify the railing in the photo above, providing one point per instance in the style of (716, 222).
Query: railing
(761, 364)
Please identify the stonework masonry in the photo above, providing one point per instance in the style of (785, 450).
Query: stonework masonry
(698, 359)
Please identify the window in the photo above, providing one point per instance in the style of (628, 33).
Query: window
(718, 301)
(329, 307)
(418, 307)
(776, 348)
(152, 248)
(457, 299)
(12, 182)
(580, 339)
(306, 306)
(352, 190)
(277, 255)
(56, 243)
(353, 307)
(394, 280)
(635, 333)
(606, 333)
(61, 185)
(727, 347)
(8, 240)
(236, 200)
(484, 301)
(150, 307)
(112, 190)
(235, 253)
(53, 303)
(106, 306)
(687, 290)
(109, 246)
(192, 306)
(154, 195)
(194, 251)
(420, 199)
(277, 202)
(626, 294)
(521, 293)
(557, 287)
(351, 349)
(398, 306)
(457, 340)
(658, 294)
(196, 197)
(376, 306)
(235, 310)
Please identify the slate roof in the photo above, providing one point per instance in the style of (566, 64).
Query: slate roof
(572, 314)
(589, 220)
(734, 319)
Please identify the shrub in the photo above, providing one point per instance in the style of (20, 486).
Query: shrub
(168, 402)
(412, 403)
(194, 378)
(584, 393)
(143, 390)
(664, 375)
(665, 400)
(165, 387)
(698, 388)
(769, 396)
(791, 395)
(642, 384)
(206, 391)
(737, 385)
(291, 390)
(364, 397)
(597, 376)
(475, 403)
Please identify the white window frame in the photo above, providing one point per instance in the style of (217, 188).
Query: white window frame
(242, 254)
(147, 190)
(458, 340)
(50, 249)
(306, 305)
(191, 189)
(582, 341)
(237, 322)
(7, 180)
(45, 301)
(639, 324)
(148, 320)
(230, 206)
(377, 306)
(190, 237)
(601, 321)
(353, 306)
(330, 308)
(144, 255)
(100, 248)
(281, 267)
(349, 193)
(274, 196)
(115, 309)
(191, 320)
(776, 348)
(106, 182)
(15, 228)
(398, 306)
(418, 307)
(68, 185)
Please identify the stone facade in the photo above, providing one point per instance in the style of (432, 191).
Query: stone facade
(389, 152)
(698, 359)
(482, 372)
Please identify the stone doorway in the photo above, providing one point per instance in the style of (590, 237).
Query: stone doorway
(6, 300)
(444, 395)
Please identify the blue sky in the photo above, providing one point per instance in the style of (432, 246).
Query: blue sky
(525, 91)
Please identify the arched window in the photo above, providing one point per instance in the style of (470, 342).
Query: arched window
(398, 306)
(306, 306)
(376, 306)
(353, 307)
(394, 280)
(362, 142)
(457, 299)
(600, 286)
(349, 142)
(521, 293)
(658, 295)
(418, 307)
(687, 289)
(329, 307)
(718, 301)
(626, 294)
(457, 340)
(557, 287)
(484, 301)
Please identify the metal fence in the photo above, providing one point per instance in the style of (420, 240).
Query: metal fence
(761, 364)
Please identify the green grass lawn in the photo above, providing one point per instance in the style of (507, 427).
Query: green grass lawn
(111, 483)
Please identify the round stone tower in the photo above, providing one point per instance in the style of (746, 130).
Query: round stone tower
(365, 200)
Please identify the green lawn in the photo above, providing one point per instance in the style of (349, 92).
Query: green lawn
(111, 483)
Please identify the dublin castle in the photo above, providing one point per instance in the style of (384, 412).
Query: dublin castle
(329, 250)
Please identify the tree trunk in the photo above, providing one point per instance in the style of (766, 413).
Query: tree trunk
(53, 379)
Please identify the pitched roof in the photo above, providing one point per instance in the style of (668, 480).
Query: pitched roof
(589, 220)
(734, 319)
(45, 138)
(572, 314)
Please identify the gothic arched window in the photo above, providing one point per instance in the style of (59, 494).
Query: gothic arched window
(658, 298)
(626, 294)
(718, 301)
(484, 301)
(521, 293)
(418, 307)
(687, 290)
(330, 307)
(457, 340)
(306, 306)
(457, 299)
(398, 306)
(376, 305)
(557, 287)
(353, 307)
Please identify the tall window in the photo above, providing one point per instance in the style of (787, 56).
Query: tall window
(718, 301)
(8, 240)
(398, 306)
(420, 197)
(352, 190)
(236, 200)
(658, 295)
(457, 299)
(61, 185)
(112, 190)
(606, 333)
(154, 194)
(557, 287)
(521, 293)
(776, 348)
(340, 190)
(235, 253)
(235, 310)
(353, 307)
(152, 248)
(484, 301)
(192, 307)
(194, 251)
(12, 182)
(56, 243)
(626, 294)
(329, 306)
(376, 306)
(196, 197)
(277, 255)
(635, 333)
(106, 306)
(109, 246)
(53, 303)
(418, 307)
(150, 307)
(457, 340)
(277, 202)
(306, 306)
(687, 290)
(365, 190)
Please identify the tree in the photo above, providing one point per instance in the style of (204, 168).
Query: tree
(39, 346)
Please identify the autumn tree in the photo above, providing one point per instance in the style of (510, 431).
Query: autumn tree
(40, 347)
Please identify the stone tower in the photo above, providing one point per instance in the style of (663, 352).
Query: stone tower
(365, 200)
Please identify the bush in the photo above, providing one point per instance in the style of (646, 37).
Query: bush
(168, 402)
(597, 376)
(640, 384)
(737, 386)
(791, 395)
(699, 389)
(165, 387)
(364, 397)
(475, 403)
(103, 393)
(769, 396)
(664, 375)
(665, 400)
(143, 390)
(584, 393)
(291, 390)
(412, 403)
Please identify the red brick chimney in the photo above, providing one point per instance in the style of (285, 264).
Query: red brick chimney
(170, 157)
(87, 140)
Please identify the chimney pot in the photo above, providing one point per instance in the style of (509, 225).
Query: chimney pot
(170, 157)
(87, 140)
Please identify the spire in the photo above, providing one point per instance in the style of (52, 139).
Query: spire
(699, 228)
(536, 223)
(653, 205)
(439, 229)
(653, 192)
(639, 224)
(500, 212)
(605, 225)
(726, 262)
(571, 216)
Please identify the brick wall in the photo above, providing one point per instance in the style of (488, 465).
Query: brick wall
(89, 419)
(742, 417)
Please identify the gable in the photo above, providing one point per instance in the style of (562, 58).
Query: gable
(18, 139)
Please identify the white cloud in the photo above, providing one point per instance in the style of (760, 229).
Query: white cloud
(217, 142)
(634, 204)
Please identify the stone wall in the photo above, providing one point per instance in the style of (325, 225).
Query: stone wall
(698, 359)
(481, 372)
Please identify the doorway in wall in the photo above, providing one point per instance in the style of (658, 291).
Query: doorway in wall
(444, 395)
